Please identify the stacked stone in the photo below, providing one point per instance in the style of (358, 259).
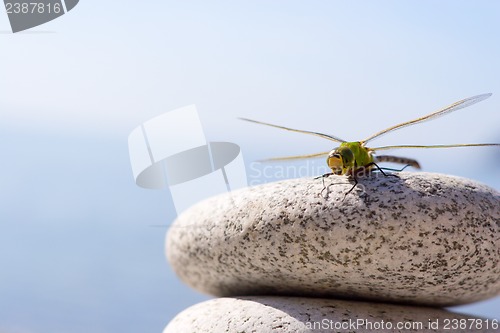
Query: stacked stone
(294, 256)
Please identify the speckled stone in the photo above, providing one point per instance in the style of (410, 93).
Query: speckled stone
(294, 314)
(417, 238)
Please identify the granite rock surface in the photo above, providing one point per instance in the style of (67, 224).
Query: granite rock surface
(417, 238)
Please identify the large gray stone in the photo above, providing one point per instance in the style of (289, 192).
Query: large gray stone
(294, 314)
(418, 238)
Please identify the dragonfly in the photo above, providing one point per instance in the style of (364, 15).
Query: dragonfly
(352, 158)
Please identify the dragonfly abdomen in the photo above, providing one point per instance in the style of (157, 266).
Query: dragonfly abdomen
(397, 159)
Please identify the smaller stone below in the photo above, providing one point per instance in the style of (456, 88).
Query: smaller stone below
(295, 314)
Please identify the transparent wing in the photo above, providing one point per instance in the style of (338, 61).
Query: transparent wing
(321, 135)
(451, 108)
(438, 146)
(297, 157)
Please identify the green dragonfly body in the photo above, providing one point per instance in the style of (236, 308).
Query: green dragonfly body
(351, 158)
(348, 158)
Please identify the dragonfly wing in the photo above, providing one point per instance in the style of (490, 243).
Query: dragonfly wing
(321, 135)
(438, 146)
(296, 157)
(450, 108)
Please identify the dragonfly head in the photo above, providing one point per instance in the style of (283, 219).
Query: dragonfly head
(340, 160)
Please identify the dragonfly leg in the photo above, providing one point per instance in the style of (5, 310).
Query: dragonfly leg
(397, 170)
(323, 180)
(353, 177)
(381, 169)
(325, 175)
(353, 186)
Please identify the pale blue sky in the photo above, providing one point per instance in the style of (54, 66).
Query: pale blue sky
(77, 250)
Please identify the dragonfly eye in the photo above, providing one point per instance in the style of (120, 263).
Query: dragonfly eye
(334, 162)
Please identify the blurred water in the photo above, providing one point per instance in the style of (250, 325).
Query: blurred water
(78, 250)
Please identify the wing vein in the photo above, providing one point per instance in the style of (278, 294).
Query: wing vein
(438, 146)
(296, 157)
(450, 108)
(321, 135)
